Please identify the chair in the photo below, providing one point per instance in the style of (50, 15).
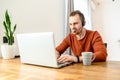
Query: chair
(105, 45)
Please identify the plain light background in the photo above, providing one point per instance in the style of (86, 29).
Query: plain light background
(35, 16)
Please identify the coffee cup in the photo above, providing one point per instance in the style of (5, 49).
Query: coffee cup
(88, 57)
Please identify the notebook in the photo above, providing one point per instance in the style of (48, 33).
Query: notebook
(38, 49)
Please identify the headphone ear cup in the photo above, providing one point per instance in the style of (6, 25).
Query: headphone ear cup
(83, 22)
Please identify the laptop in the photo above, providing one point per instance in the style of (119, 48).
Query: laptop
(38, 49)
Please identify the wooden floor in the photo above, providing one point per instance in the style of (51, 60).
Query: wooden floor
(13, 69)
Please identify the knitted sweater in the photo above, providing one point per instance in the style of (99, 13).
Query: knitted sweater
(92, 42)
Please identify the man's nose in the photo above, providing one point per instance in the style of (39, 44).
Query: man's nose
(73, 26)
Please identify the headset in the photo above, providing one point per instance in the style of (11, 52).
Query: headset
(82, 19)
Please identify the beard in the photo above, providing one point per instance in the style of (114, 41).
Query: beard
(76, 31)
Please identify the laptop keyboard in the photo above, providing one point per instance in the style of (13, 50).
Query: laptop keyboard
(66, 63)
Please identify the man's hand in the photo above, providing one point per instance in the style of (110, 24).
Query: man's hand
(58, 54)
(65, 58)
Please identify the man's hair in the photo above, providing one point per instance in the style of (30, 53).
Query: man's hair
(80, 15)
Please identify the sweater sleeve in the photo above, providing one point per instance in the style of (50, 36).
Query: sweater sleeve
(63, 45)
(99, 47)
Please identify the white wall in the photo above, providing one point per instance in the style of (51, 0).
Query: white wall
(106, 19)
(35, 16)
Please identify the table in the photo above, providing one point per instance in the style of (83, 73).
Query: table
(13, 69)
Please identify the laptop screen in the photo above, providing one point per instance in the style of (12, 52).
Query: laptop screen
(37, 48)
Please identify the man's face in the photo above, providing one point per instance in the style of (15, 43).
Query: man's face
(75, 24)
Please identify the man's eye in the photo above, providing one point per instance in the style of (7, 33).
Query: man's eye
(75, 23)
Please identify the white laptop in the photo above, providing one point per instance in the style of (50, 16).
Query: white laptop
(38, 49)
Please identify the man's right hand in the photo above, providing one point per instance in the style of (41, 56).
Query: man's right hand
(58, 54)
(67, 58)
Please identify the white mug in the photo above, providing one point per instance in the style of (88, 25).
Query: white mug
(88, 57)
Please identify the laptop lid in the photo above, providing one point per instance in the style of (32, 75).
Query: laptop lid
(37, 48)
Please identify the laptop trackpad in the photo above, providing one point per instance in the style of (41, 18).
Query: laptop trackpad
(64, 64)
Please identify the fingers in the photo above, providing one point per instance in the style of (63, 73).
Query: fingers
(58, 54)
(64, 58)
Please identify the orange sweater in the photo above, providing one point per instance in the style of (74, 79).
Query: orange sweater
(92, 42)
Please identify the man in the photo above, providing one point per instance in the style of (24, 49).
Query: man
(81, 40)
